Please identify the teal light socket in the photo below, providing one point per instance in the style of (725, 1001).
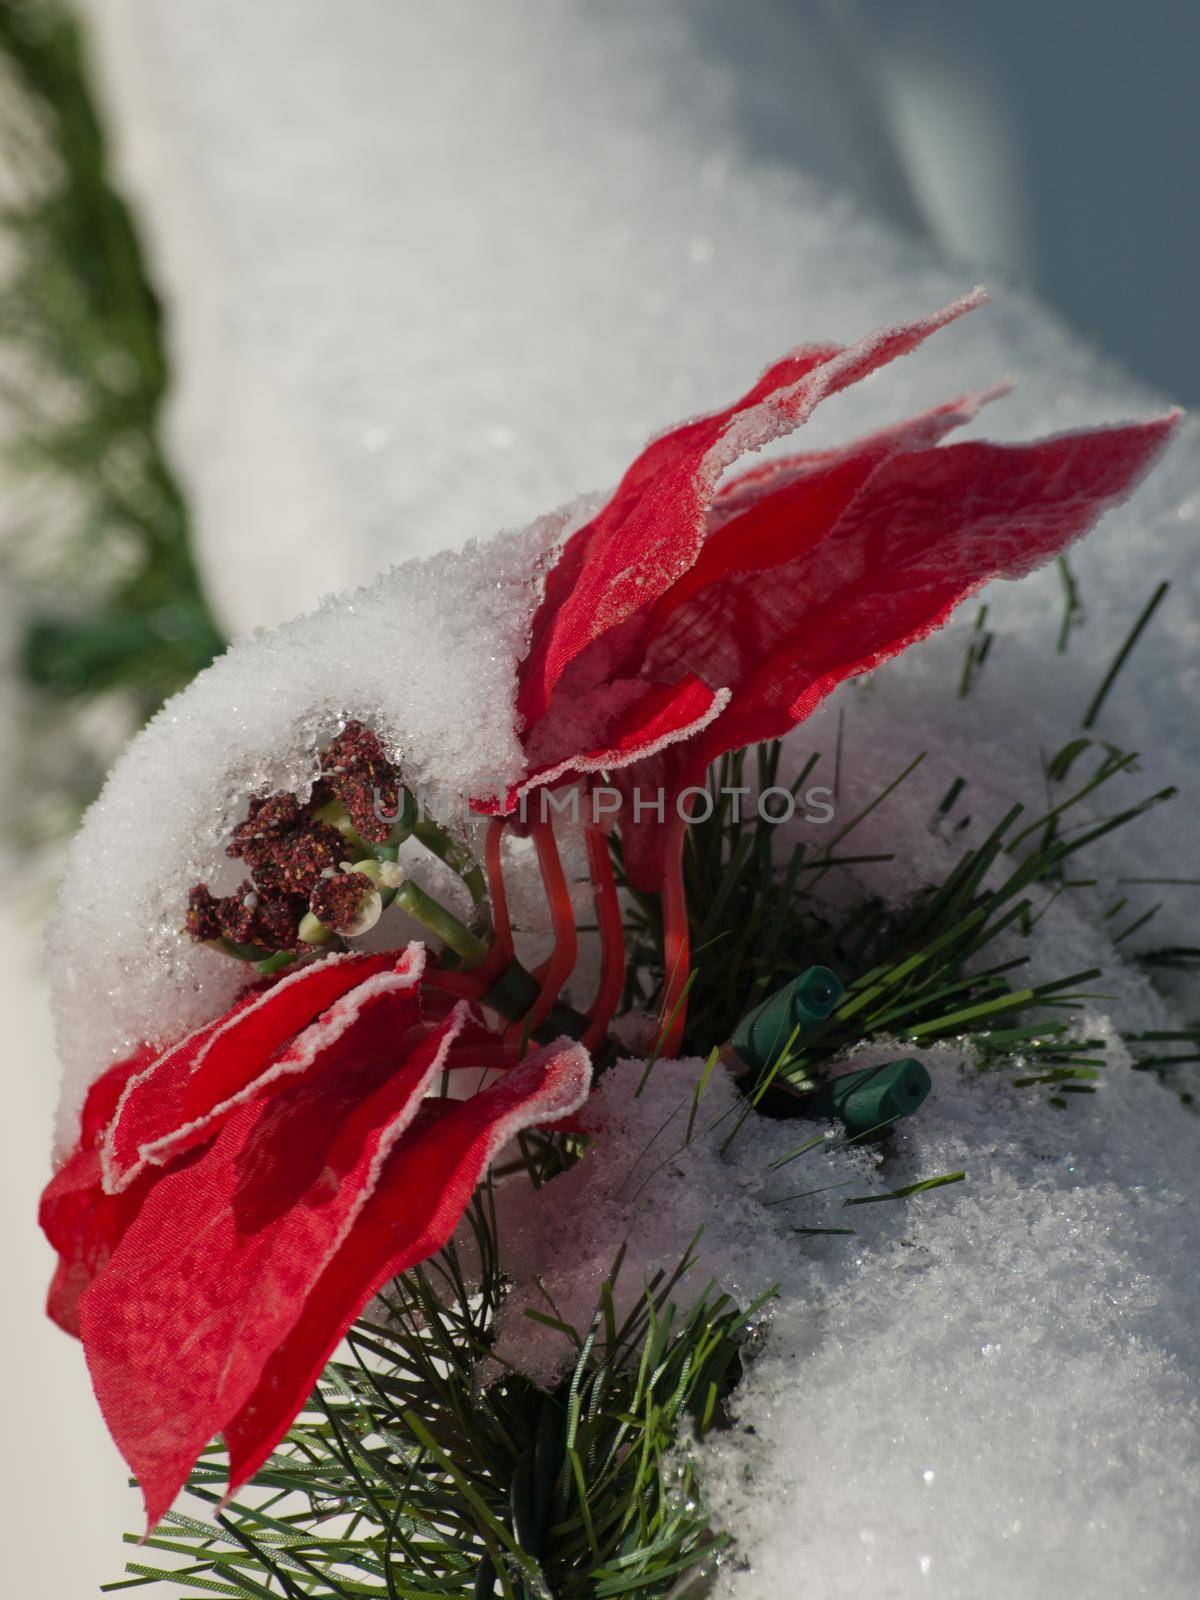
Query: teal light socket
(872, 1097)
(762, 1035)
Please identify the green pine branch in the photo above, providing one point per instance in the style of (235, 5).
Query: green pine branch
(921, 971)
(405, 1478)
(96, 531)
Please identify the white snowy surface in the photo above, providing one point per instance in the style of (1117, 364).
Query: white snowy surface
(990, 1390)
(435, 269)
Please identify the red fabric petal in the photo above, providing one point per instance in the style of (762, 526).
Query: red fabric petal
(648, 534)
(928, 529)
(759, 520)
(424, 1190)
(83, 1223)
(179, 1098)
(216, 1268)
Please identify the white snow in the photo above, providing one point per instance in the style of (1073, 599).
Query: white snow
(992, 1391)
(437, 268)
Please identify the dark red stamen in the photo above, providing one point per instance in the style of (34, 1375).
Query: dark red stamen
(267, 817)
(364, 780)
(337, 900)
(268, 922)
(291, 863)
(201, 921)
(302, 857)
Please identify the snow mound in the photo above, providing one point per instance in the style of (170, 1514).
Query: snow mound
(990, 1390)
(484, 261)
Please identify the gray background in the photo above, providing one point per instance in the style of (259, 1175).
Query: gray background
(1058, 143)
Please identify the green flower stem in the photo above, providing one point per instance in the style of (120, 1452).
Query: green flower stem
(239, 952)
(276, 963)
(439, 841)
(447, 848)
(516, 989)
(443, 924)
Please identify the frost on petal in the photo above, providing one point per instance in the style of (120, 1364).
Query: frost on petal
(650, 531)
(213, 1273)
(177, 1099)
(663, 714)
(416, 1205)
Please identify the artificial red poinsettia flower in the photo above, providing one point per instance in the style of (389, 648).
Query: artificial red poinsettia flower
(689, 618)
(236, 1198)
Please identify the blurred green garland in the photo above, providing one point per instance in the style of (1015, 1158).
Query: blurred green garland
(96, 545)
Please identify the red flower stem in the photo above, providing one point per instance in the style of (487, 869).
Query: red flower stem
(500, 982)
(566, 939)
(676, 942)
(612, 938)
(501, 954)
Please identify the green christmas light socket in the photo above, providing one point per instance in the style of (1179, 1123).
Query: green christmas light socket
(873, 1097)
(763, 1034)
